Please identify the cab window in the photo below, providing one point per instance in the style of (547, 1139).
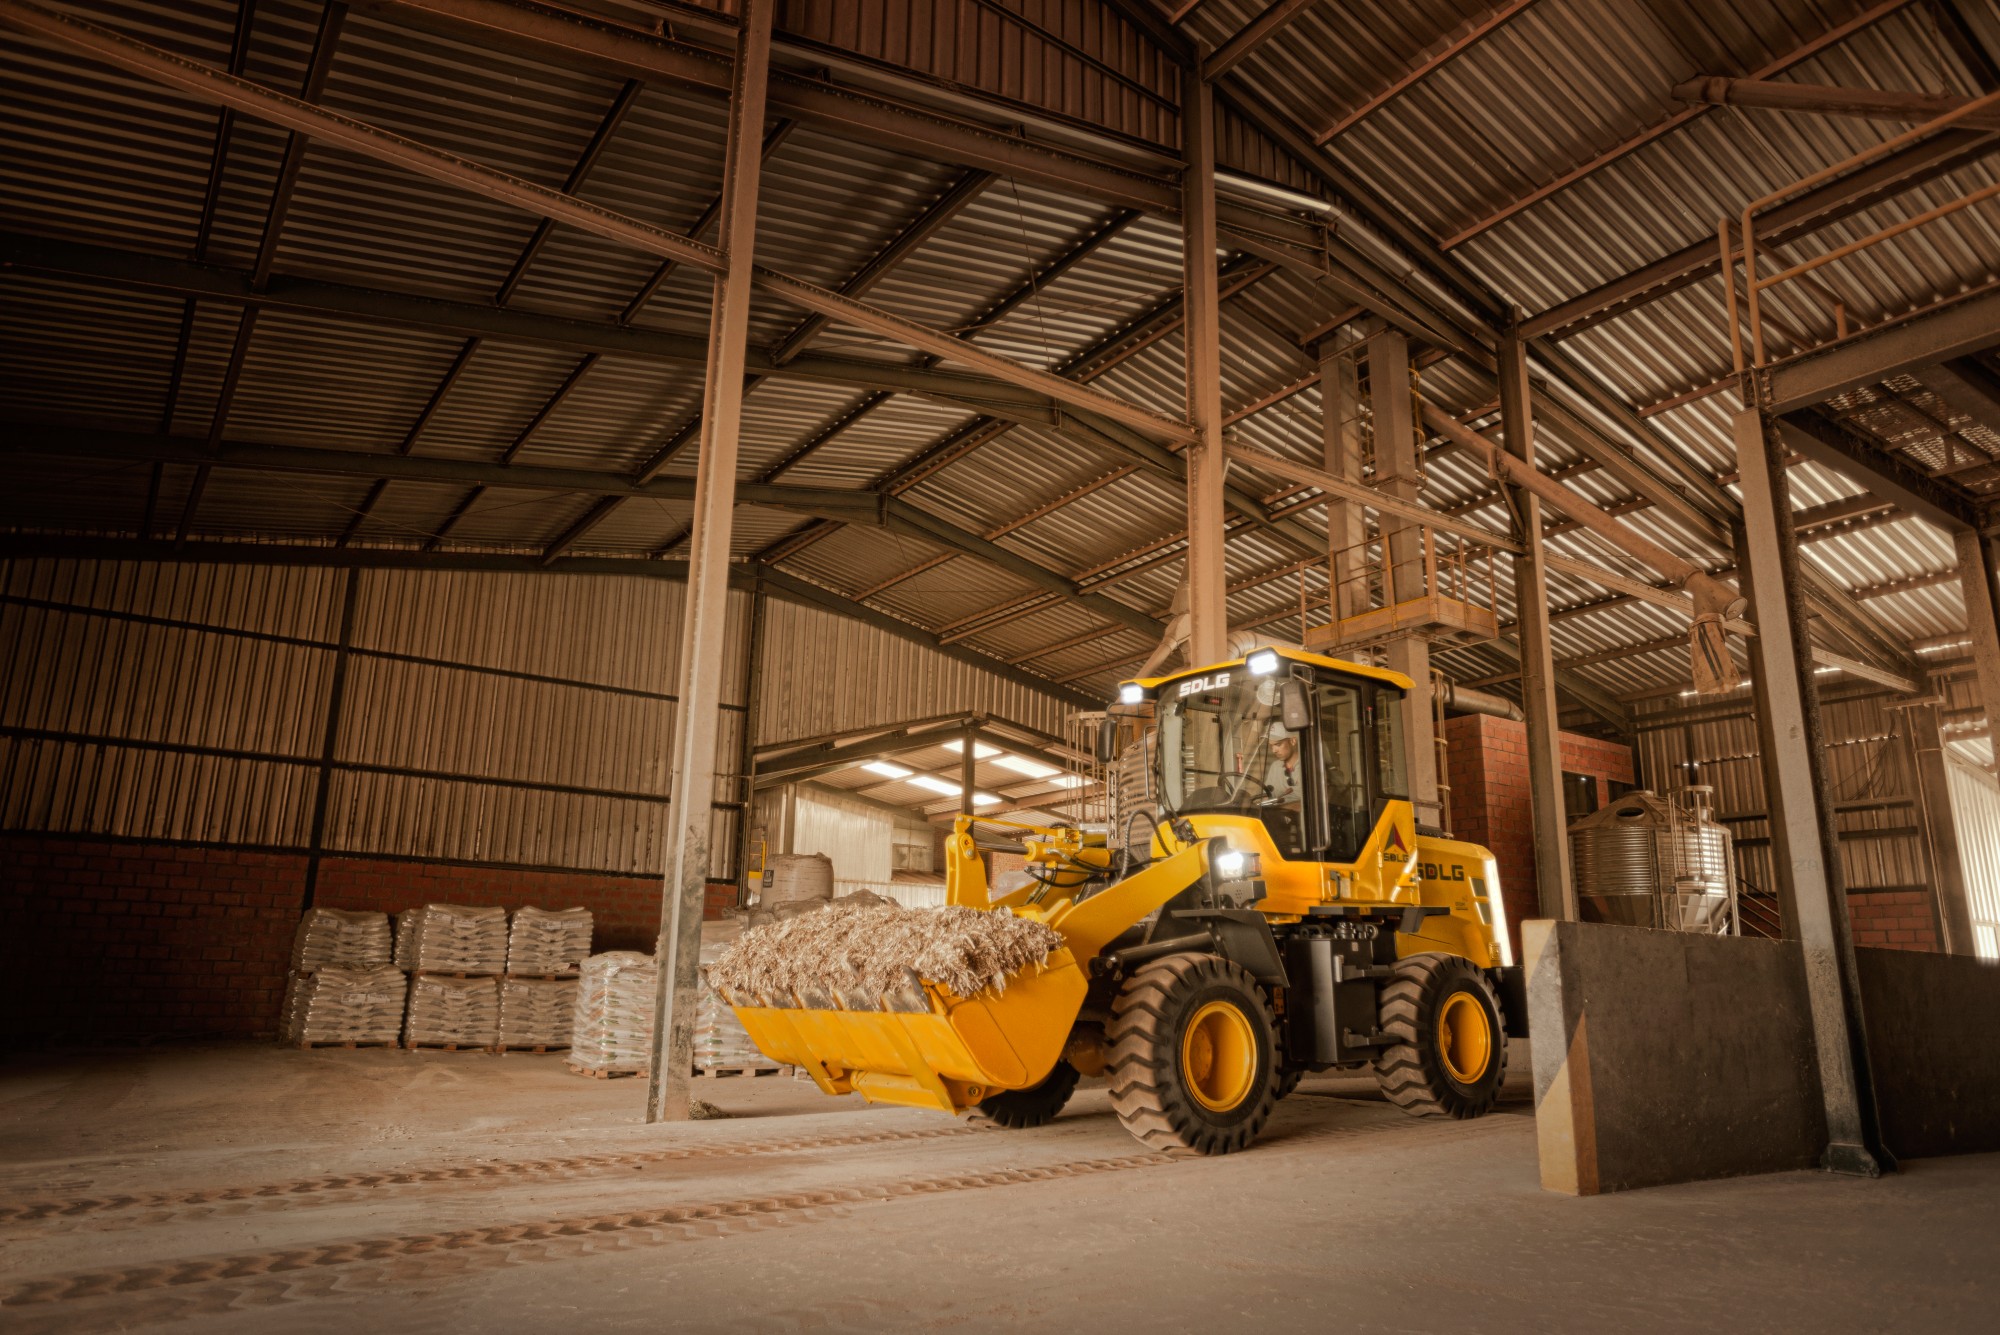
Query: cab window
(1391, 766)
(1343, 741)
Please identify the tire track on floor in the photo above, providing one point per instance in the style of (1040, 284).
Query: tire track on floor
(189, 1288)
(201, 1202)
(198, 1286)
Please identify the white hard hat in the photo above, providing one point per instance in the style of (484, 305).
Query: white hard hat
(1278, 732)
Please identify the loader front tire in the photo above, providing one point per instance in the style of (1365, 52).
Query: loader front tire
(1449, 1052)
(1035, 1106)
(1193, 1066)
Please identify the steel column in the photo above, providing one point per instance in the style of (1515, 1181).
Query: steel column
(1346, 521)
(1979, 577)
(968, 768)
(1396, 465)
(336, 697)
(753, 708)
(1554, 884)
(706, 619)
(1804, 832)
(1207, 575)
(1405, 574)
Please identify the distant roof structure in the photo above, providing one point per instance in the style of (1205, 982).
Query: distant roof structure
(222, 332)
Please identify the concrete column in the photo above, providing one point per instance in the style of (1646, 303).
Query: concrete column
(1979, 574)
(1340, 436)
(1207, 577)
(705, 618)
(1930, 770)
(1555, 886)
(1804, 838)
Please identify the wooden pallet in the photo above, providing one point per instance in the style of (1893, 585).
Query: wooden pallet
(724, 1072)
(541, 977)
(450, 973)
(596, 1074)
(448, 1047)
(357, 1043)
(532, 1047)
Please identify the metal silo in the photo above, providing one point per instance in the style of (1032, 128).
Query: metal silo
(1653, 861)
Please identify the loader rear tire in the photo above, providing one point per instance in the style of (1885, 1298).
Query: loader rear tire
(1193, 1067)
(1034, 1106)
(1450, 1049)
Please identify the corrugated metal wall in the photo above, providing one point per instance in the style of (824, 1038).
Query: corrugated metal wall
(515, 719)
(511, 719)
(824, 673)
(1868, 766)
(1975, 805)
(858, 835)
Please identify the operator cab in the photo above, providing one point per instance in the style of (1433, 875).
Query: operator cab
(1309, 746)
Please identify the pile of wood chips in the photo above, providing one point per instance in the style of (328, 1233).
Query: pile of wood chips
(863, 944)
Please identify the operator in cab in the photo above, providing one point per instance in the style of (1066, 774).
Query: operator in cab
(1282, 783)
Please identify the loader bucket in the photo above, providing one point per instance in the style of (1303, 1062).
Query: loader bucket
(923, 1046)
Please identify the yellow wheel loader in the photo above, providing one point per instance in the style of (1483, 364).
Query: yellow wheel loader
(1286, 915)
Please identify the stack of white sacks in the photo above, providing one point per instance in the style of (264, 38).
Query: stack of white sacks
(720, 1040)
(406, 938)
(545, 948)
(455, 954)
(613, 1027)
(614, 1014)
(342, 988)
(548, 942)
(537, 1012)
(337, 1006)
(340, 939)
(459, 938)
(451, 1011)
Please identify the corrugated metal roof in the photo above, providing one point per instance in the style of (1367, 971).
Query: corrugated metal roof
(96, 156)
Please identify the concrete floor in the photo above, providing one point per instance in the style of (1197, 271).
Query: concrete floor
(248, 1188)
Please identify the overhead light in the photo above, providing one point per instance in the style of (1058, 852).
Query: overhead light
(1034, 769)
(937, 785)
(983, 799)
(1263, 663)
(980, 750)
(1067, 781)
(887, 769)
(1131, 693)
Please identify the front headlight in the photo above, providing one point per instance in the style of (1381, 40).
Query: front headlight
(1229, 864)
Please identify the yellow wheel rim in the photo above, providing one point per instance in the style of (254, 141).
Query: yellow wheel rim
(1465, 1038)
(1219, 1056)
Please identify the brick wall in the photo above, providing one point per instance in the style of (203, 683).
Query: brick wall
(108, 941)
(1893, 920)
(1487, 765)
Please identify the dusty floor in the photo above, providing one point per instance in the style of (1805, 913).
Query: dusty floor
(247, 1188)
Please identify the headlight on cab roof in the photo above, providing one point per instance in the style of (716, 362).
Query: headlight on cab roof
(1131, 693)
(1263, 663)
